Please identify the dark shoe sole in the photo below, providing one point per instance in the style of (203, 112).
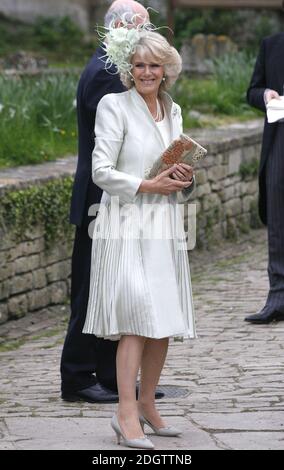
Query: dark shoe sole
(276, 317)
(259, 322)
(75, 398)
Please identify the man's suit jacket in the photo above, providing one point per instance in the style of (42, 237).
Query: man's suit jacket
(95, 82)
(268, 73)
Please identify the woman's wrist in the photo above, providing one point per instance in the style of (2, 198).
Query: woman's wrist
(145, 186)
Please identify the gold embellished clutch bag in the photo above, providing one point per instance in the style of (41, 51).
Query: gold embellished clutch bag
(181, 150)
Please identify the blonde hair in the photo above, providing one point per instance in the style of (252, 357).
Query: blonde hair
(154, 45)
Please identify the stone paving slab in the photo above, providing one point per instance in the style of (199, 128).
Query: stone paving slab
(24, 175)
(233, 372)
(252, 440)
(250, 421)
(93, 434)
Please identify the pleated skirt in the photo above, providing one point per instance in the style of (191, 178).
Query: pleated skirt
(140, 278)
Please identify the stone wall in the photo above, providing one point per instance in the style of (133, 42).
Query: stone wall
(227, 184)
(33, 276)
(199, 52)
(33, 273)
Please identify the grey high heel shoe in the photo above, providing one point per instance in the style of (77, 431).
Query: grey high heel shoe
(140, 443)
(167, 431)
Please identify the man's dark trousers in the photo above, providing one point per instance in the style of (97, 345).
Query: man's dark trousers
(269, 74)
(83, 353)
(275, 221)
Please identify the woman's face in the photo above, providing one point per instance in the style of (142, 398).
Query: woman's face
(147, 74)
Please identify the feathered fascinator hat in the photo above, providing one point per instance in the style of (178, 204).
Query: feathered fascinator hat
(119, 43)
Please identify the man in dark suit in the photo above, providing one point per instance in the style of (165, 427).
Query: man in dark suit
(267, 83)
(88, 364)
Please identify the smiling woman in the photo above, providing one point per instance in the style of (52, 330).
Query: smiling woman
(148, 78)
(140, 289)
(147, 74)
(155, 66)
(154, 49)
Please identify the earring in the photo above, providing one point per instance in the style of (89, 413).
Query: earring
(164, 79)
(132, 79)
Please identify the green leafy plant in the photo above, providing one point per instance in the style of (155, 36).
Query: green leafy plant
(222, 94)
(45, 205)
(57, 32)
(58, 39)
(245, 27)
(37, 118)
(249, 169)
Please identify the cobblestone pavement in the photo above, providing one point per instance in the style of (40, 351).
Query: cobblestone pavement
(232, 375)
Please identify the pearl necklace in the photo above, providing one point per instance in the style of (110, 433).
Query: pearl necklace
(159, 114)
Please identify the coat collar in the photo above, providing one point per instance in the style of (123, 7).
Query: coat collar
(167, 100)
(168, 104)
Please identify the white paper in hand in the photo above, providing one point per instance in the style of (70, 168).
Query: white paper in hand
(275, 109)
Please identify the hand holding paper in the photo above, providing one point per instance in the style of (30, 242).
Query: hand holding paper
(275, 109)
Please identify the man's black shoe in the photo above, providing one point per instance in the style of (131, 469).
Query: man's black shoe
(265, 317)
(94, 394)
(99, 394)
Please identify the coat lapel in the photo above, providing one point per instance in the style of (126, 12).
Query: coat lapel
(280, 67)
(276, 63)
(168, 104)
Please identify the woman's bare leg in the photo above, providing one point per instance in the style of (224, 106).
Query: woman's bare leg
(153, 359)
(128, 362)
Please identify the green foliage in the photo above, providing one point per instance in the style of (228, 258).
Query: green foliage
(231, 230)
(232, 73)
(45, 205)
(255, 221)
(223, 94)
(58, 39)
(10, 32)
(38, 118)
(245, 27)
(57, 32)
(206, 21)
(249, 169)
(242, 223)
(263, 25)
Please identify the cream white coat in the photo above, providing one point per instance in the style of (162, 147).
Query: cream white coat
(128, 141)
(138, 285)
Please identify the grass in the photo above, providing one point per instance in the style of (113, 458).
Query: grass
(12, 345)
(37, 119)
(220, 99)
(37, 115)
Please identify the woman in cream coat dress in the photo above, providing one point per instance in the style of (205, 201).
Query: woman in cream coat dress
(140, 289)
